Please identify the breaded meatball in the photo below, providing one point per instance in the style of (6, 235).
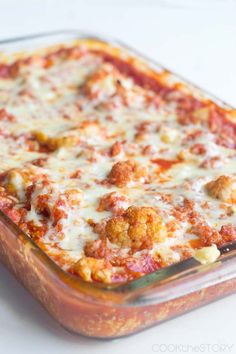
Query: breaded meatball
(223, 188)
(138, 228)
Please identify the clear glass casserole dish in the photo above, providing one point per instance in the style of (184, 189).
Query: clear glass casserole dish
(110, 311)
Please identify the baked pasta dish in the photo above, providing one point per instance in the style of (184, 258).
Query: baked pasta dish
(113, 169)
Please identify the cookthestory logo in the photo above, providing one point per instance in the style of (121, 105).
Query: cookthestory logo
(193, 348)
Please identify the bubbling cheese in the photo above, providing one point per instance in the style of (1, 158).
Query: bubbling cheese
(73, 121)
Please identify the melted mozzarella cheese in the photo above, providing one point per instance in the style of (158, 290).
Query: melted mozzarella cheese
(53, 102)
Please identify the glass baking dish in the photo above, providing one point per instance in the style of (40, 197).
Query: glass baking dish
(110, 311)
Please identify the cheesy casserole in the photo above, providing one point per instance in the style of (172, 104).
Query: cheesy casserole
(114, 170)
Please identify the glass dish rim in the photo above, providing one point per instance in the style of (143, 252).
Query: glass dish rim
(161, 275)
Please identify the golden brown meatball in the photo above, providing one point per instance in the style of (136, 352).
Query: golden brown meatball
(124, 172)
(138, 228)
(223, 188)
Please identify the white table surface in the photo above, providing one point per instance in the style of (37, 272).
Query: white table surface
(195, 38)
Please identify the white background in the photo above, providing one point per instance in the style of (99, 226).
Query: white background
(196, 38)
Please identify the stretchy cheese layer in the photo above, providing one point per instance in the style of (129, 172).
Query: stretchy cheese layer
(114, 170)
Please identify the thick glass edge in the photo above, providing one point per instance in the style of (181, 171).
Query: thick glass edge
(135, 288)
